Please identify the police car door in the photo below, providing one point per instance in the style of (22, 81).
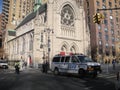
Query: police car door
(73, 65)
(64, 65)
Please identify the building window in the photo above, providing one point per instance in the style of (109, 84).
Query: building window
(107, 45)
(31, 43)
(117, 20)
(113, 50)
(107, 53)
(100, 42)
(110, 4)
(0, 43)
(105, 14)
(14, 1)
(104, 7)
(113, 39)
(72, 49)
(23, 45)
(117, 13)
(106, 37)
(103, 1)
(99, 27)
(17, 46)
(112, 24)
(87, 4)
(88, 19)
(88, 13)
(67, 16)
(100, 35)
(111, 11)
(111, 17)
(112, 32)
(105, 22)
(97, 3)
(118, 32)
(106, 29)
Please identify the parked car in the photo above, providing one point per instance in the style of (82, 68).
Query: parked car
(75, 64)
(3, 64)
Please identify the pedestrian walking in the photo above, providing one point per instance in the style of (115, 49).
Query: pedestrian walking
(113, 62)
(25, 64)
(17, 67)
(43, 67)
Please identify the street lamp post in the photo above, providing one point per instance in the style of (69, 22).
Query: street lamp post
(48, 31)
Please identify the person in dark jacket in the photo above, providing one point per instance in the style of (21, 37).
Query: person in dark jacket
(17, 67)
(113, 62)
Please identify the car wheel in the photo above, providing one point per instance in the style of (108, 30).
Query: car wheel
(81, 73)
(4, 67)
(94, 75)
(56, 71)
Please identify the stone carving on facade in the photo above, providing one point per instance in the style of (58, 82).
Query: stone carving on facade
(67, 21)
(50, 1)
(79, 3)
(67, 16)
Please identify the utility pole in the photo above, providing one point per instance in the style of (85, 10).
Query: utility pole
(48, 31)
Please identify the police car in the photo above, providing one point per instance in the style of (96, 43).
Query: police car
(75, 64)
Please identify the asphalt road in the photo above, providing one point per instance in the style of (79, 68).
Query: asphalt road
(33, 79)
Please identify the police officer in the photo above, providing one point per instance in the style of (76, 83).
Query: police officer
(17, 67)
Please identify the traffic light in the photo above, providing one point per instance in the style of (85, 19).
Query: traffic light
(97, 18)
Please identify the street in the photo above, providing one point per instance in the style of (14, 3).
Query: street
(34, 79)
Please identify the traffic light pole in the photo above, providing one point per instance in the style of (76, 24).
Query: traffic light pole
(108, 9)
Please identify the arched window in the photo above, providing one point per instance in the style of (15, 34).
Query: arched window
(17, 46)
(72, 49)
(67, 16)
(31, 43)
(64, 48)
(23, 45)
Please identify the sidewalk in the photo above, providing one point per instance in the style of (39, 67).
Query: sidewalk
(26, 70)
(108, 68)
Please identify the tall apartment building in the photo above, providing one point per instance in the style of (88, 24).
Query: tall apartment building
(1, 46)
(104, 36)
(5, 12)
(15, 10)
(0, 26)
(13, 13)
(118, 30)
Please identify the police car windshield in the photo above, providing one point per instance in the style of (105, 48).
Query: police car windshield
(84, 59)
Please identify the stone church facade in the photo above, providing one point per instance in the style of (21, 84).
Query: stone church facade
(56, 27)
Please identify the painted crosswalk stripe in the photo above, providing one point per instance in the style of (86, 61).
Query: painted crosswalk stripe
(108, 76)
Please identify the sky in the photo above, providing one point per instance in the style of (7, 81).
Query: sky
(1, 6)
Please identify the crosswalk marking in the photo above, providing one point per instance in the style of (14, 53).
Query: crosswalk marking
(111, 77)
(107, 75)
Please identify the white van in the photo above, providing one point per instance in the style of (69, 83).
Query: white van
(3, 64)
(75, 64)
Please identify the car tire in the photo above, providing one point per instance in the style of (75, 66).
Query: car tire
(81, 73)
(94, 75)
(4, 67)
(56, 71)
